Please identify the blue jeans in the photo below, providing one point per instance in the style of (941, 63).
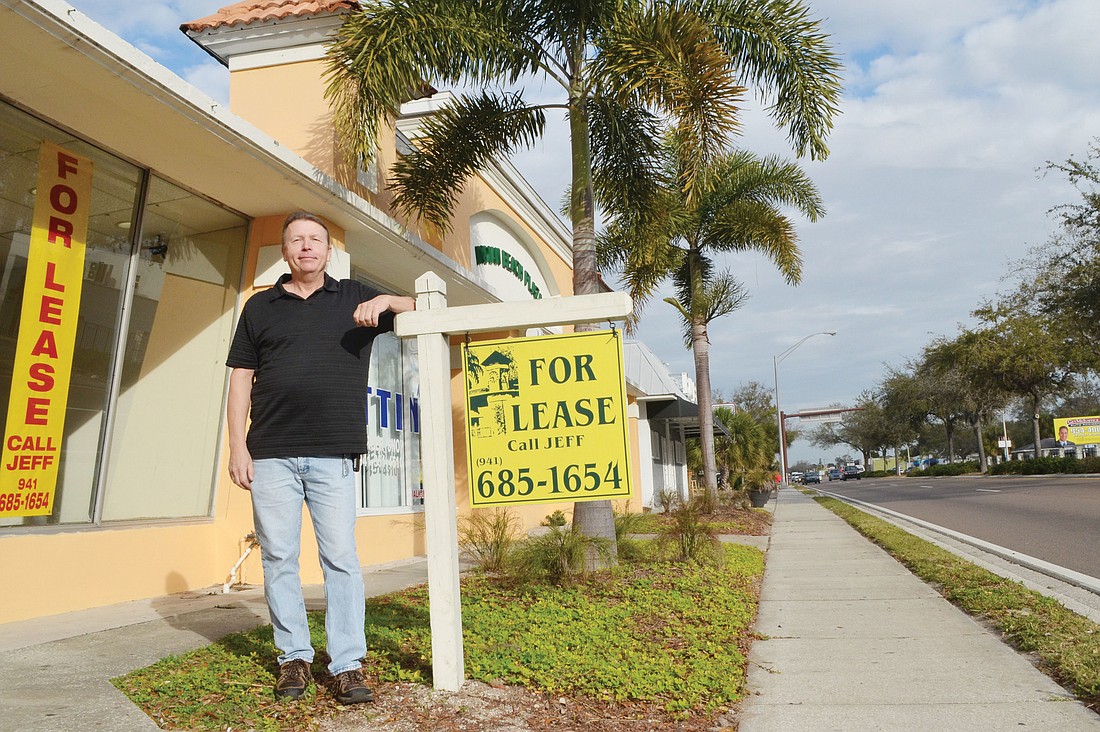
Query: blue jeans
(327, 486)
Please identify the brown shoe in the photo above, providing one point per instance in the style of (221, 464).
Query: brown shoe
(350, 689)
(294, 679)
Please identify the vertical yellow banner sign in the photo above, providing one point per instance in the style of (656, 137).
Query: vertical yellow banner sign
(546, 419)
(47, 333)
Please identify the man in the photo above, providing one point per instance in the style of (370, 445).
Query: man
(1063, 438)
(299, 362)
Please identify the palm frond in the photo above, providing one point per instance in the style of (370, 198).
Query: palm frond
(670, 60)
(626, 155)
(389, 49)
(784, 53)
(755, 226)
(743, 175)
(458, 141)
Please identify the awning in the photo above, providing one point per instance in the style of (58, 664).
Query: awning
(681, 413)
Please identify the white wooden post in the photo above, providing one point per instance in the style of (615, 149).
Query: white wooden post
(440, 511)
(430, 324)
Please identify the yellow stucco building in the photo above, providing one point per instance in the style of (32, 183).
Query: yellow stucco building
(183, 225)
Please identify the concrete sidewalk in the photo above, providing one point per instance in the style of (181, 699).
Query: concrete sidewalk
(854, 641)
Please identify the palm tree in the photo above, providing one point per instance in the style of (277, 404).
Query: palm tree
(733, 204)
(746, 448)
(619, 63)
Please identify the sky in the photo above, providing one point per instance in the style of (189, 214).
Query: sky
(934, 186)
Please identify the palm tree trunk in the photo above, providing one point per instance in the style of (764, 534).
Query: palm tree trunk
(594, 519)
(700, 348)
(983, 459)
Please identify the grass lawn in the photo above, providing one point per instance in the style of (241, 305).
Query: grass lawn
(667, 636)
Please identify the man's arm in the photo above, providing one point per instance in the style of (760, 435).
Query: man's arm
(366, 313)
(240, 399)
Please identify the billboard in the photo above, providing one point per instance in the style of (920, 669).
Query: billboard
(1078, 430)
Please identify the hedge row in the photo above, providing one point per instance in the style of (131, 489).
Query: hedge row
(946, 469)
(1047, 466)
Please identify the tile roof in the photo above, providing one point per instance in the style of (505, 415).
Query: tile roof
(251, 11)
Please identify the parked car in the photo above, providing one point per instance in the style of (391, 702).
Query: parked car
(811, 477)
(835, 474)
(851, 471)
(796, 477)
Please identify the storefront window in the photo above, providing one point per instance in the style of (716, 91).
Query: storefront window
(391, 479)
(167, 421)
(141, 432)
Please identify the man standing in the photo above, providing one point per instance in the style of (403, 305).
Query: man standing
(299, 362)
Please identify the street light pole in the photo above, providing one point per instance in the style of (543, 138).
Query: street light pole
(778, 410)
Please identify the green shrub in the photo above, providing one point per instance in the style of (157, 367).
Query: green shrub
(629, 524)
(954, 468)
(1047, 466)
(557, 518)
(691, 538)
(667, 500)
(560, 556)
(946, 469)
(488, 536)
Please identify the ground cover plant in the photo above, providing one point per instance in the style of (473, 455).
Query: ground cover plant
(657, 640)
(1065, 644)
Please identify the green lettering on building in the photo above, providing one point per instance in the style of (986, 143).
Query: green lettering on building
(493, 255)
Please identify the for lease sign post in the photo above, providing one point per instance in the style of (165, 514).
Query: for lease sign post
(47, 333)
(546, 419)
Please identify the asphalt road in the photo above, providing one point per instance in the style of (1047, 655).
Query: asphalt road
(1053, 518)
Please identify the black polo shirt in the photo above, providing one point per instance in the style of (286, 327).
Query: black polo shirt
(309, 396)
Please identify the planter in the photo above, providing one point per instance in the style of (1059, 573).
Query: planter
(759, 499)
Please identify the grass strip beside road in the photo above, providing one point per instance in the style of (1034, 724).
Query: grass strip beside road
(1065, 644)
(668, 634)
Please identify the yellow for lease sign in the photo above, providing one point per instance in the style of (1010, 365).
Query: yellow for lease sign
(546, 419)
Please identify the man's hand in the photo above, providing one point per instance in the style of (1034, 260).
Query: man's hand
(367, 313)
(240, 468)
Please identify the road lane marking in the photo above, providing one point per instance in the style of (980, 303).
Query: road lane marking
(987, 490)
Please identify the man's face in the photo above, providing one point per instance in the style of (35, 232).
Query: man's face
(306, 247)
(1063, 434)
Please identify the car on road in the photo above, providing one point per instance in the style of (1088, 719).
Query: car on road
(835, 474)
(811, 477)
(851, 471)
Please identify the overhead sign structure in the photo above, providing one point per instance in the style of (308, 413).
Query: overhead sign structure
(546, 419)
(47, 333)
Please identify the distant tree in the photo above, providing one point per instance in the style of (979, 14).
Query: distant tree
(1060, 280)
(1022, 355)
(977, 392)
(759, 401)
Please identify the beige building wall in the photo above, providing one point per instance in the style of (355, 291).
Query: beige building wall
(95, 566)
